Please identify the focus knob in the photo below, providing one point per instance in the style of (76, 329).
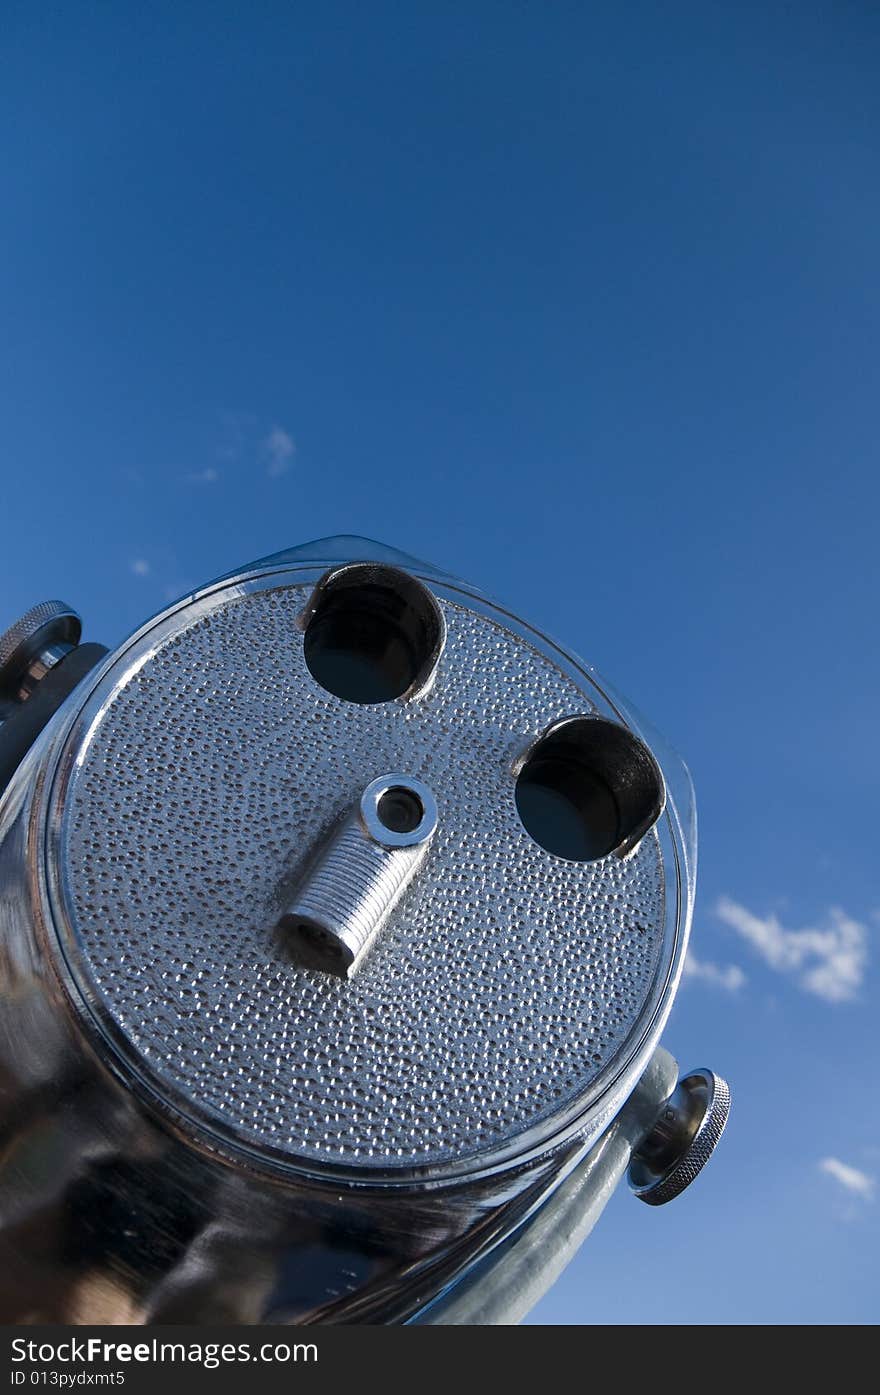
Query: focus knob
(34, 644)
(682, 1139)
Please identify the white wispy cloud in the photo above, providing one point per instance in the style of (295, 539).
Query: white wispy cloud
(828, 959)
(730, 977)
(140, 566)
(856, 1182)
(280, 449)
(207, 476)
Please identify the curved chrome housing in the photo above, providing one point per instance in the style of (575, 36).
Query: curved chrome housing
(119, 1205)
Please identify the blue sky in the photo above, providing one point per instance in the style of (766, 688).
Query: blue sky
(580, 302)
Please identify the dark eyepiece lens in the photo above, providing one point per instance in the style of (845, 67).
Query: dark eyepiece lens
(568, 809)
(589, 788)
(374, 634)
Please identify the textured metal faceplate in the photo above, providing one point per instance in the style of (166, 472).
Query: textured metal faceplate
(506, 980)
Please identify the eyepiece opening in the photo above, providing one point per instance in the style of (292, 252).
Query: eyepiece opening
(373, 634)
(588, 788)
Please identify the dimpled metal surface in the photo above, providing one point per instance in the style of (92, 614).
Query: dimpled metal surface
(505, 980)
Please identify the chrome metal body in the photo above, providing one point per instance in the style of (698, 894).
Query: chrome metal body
(196, 1125)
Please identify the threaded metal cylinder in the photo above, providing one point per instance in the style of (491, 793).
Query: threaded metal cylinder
(360, 874)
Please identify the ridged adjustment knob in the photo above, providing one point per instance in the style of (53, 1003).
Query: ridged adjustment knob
(40, 629)
(682, 1139)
